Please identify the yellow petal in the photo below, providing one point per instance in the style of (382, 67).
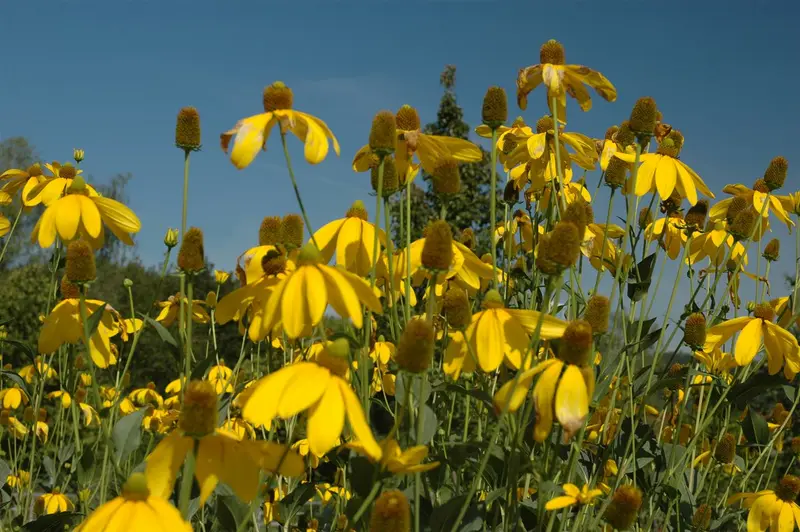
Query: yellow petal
(560, 502)
(749, 342)
(572, 400)
(250, 138)
(261, 405)
(486, 337)
(326, 420)
(303, 390)
(358, 422)
(543, 394)
(163, 463)
(666, 176)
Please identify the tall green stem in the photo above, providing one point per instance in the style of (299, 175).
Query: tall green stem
(493, 207)
(11, 232)
(296, 190)
(408, 252)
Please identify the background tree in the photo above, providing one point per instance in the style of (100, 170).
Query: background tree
(469, 208)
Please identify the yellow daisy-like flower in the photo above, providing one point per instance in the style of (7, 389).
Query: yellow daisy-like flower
(520, 229)
(664, 172)
(62, 397)
(220, 376)
(146, 396)
(397, 461)
(41, 369)
(5, 225)
(715, 244)
(239, 429)
(19, 479)
(135, 509)
(53, 503)
(574, 495)
(602, 255)
(351, 239)
(219, 457)
(81, 213)
(174, 387)
(13, 426)
(12, 398)
(250, 134)
(429, 149)
(562, 80)
(781, 345)
(497, 333)
(159, 420)
(757, 197)
(299, 300)
(221, 277)
(171, 307)
(670, 234)
(774, 510)
(322, 388)
(466, 268)
(64, 326)
(716, 363)
(13, 180)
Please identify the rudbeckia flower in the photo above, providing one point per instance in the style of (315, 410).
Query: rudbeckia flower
(146, 396)
(13, 180)
(53, 503)
(397, 461)
(299, 300)
(221, 377)
(716, 243)
(19, 479)
(5, 225)
(561, 80)
(13, 397)
(567, 396)
(774, 510)
(135, 509)
(574, 495)
(757, 197)
(351, 238)
(62, 397)
(467, 269)
(63, 326)
(429, 149)
(90, 416)
(670, 234)
(250, 134)
(715, 363)
(520, 231)
(238, 428)
(781, 345)
(320, 387)
(41, 369)
(219, 457)
(81, 213)
(171, 307)
(664, 172)
(497, 333)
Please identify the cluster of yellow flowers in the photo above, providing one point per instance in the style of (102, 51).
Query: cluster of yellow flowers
(548, 380)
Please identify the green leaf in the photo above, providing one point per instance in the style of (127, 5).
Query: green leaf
(29, 351)
(298, 496)
(790, 392)
(16, 379)
(162, 331)
(755, 428)
(53, 523)
(363, 471)
(639, 278)
(200, 369)
(50, 467)
(94, 320)
(230, 511)
(416, 397)
(127, 434)
(478, 394)
(5, 471)
(444, 517)
(429, 425)
(744, 393)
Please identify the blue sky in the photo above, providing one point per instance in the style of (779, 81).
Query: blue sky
(109, 77)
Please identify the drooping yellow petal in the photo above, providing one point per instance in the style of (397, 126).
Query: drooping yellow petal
(163, 463)
(551, 327)
(720, 333)
(560, 502)
(572, 400)
(261, 405)
(486, 336)
(326, 238)
(666, 176)
(304, 389)
(326, 420)
(543, 395)
(250, 138)
(749, 342)
(358, 422)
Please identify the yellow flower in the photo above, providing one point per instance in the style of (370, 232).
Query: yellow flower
(497, 333)
(19, 479)
(304, 449)
(320, 387)
(716, 363)
(669, 233)
(170, 308)
(593, 246)
(561, 80)
(90, 416)
(146, 396)
(574, 495)
(159, 420)
(299, 300)
(15, 427)
(712, 243)
(64, 326)
(63, 397)
(5, 225)
(220, 376)
(755, 196)
(397, 461)
(135, 509)
(518, 226)
(13, 180)
(429, 149)
(466, 268)
(775, 510)
(780, 344)
(219, 457)
(175, 386)
(238, 428)
(81, 212)
(665, 173)
(250, 134)
(351, 238)
(221, 277)
(12, 398)
(53, 503)
(271, 506)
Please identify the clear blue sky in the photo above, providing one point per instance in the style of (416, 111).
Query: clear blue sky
(109, 77)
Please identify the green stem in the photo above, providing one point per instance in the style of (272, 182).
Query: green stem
(186, 483)
(605, 238)
(390, 262)
(493, 207)
(296, 190)
(11, 232)
(554, 108)
(408, 252)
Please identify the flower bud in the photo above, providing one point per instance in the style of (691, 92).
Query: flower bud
(772, 250)
(191, 257)
(725, 451)
(199, 410)
(694, 330)
(187, 129)
(598, 310)
(437, 252)
(392, 513)
(407, 119)
(551, 53)
(390, 179)
(415, 348)
(621, 513)
(788, 489)
(383, 134)
(495, 107)
(576, 344)
(446, 177)
(80, 267)
(701, 519)
(292, 229)
(78, 155)
(559, 249)
(616, 172)
(171, 238)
